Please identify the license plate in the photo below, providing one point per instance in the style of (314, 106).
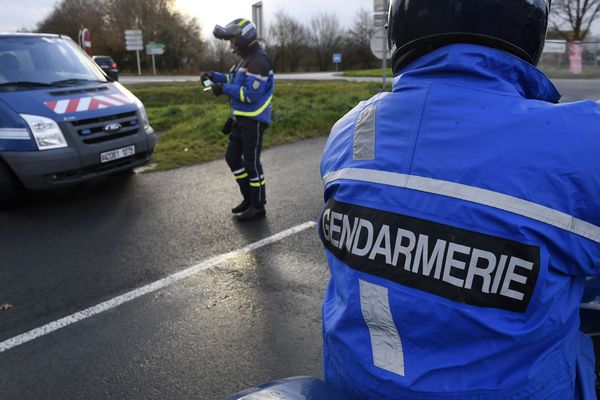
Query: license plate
(117, 153)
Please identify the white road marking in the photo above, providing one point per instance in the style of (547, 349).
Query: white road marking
(152, 287)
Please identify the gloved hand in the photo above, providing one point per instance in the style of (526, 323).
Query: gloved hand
(217, 89)
(206, 76)
(228, 126)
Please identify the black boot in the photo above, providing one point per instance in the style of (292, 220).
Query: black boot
(251, 213)
(243, 206)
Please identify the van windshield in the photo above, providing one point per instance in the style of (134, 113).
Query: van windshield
(38, 61)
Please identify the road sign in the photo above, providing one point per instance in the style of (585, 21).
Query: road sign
(575, 51)
(379, 44)
(337, 59)
(134, 40)
(85, 40)
(380, 6)
(155, 49)
(257, 18)
(380, 13)
(555, 46)
(134, 47)
(151, 51)
(379, 20)
(133, 32)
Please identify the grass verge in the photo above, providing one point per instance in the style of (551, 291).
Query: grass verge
(189, 120)
(369, 73)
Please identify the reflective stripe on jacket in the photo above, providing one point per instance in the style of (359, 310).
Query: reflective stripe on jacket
(461, 219)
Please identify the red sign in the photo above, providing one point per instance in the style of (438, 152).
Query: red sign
(85, 40)
(575, 57)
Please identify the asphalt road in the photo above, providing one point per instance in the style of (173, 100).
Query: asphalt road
(250, 316)
(249, 319)
(318, 76)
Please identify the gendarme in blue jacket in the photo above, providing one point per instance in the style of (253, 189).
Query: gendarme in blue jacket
(249, 86)
(461, 219)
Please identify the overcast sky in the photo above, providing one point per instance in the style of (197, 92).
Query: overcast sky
(19, 14)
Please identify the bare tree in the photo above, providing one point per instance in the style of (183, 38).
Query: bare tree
(326, 38)
(181, 36)
(219, 56)
(358, 39)
(70, 16)
(290, 41)
(576, 15)
(108, 19)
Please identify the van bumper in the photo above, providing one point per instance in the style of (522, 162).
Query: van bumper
(40, 170)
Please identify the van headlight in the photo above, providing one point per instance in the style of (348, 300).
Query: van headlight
(46, 132)
(145, 122)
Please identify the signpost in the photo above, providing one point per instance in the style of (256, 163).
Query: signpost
(379, 43)
(155, 49)
(337, 59)
(135, 42)
(380, 49)
(257, 18)
(558, 47)
(380, 19)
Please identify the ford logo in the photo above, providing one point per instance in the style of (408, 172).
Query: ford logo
(112, 127)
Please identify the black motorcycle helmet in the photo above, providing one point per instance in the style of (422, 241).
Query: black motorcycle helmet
(242, 31)
(416, 27)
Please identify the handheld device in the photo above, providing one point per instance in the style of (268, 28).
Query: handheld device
(207, 84)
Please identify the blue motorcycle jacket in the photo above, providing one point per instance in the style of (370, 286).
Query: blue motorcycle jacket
(461, 220)
(249, 86)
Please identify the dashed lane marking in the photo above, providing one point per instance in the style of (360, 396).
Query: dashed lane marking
(152, 287)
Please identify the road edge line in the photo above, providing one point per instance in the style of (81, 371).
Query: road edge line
(149, 288)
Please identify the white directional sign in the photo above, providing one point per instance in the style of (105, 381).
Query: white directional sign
(555, 46)
(379, 20)
(133, 32)
(380, 13)
(154, 52)
(380, 6)
(134, 40)
(257, 18)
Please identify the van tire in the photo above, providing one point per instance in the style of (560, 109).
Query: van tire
(8, 188)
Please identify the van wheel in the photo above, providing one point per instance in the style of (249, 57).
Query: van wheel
(8, 188)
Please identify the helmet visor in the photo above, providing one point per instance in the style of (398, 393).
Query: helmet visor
(227, 33)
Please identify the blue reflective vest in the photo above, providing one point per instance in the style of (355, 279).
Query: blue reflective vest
(461, 220)
(249, 86)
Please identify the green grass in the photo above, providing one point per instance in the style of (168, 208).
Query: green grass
(371, 73)
(565, 74)
(189, 121)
